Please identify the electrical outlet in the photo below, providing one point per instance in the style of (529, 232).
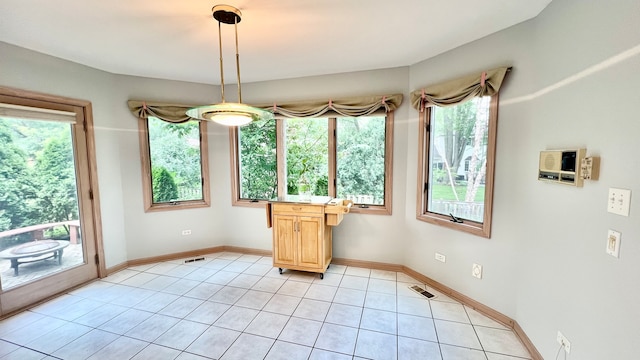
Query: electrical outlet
(476, 271)
(564, 342)
(186, 232)
(441, 257)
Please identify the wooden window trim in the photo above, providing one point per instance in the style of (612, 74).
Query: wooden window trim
(480, 229)
(87, 186)
(372, 209)
(145, 159)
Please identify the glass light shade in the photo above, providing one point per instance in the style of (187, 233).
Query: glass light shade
(229, 114)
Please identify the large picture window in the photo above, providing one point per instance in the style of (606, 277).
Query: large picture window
(174, 159)
(344, 157)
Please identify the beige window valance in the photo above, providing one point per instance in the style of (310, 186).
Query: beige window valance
(350, 106)
(174, 113)
(453, 92)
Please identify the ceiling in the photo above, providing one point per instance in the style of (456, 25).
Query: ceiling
(278, 39)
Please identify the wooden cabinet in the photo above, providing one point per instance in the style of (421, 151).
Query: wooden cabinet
(302, 239)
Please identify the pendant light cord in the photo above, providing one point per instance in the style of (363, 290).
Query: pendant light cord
(238, 61)
(221, 72)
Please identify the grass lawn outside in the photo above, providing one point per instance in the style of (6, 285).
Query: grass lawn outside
(444, 192)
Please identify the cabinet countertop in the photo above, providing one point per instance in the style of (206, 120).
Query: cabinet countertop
(295, 199)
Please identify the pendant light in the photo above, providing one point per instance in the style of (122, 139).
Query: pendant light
(229, 114)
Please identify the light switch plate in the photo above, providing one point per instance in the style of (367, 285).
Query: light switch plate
(613, 243)
(619, 201)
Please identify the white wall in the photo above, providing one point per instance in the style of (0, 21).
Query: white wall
(545, 264)
(159, 233)
(588, 295)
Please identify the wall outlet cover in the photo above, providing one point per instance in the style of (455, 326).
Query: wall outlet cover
(476, 271)
(562, 340)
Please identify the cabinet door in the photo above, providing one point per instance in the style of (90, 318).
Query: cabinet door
(284, 240)
(310, 244)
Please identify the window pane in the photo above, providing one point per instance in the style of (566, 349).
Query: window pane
(307, 153)
(360, 159)
(38, 198)
(458, 159)
(258, 161)
(176, 169)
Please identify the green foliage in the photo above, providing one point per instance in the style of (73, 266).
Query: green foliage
(258, 166)
(56, 196)
(460, 133)
(454, 125)
(163, 185)
(444, 192)
(322, 186)
(307, 152)
(37, 176)
(17, 189)
(440, 176)
(360, 163)
(176, 148)
(361, 157)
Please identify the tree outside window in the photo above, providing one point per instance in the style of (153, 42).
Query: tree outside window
(258, 165)
(312, 150)
(459, 132)
(175, 164)
(361, 159)
(459, 150)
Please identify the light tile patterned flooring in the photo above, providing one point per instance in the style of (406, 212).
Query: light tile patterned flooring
(235, 306)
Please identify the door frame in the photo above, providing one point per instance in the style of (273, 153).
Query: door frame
(84, 115)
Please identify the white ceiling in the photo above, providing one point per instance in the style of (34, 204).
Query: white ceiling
(177, 39)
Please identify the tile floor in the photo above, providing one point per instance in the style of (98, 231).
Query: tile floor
(235, 306)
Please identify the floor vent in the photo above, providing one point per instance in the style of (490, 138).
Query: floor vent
(422, 291)
(195, 259)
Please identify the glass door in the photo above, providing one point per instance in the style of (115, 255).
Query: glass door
(47, 220)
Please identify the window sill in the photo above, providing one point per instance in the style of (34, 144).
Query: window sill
(355, 209)
(250, 203)
(179, 205)
(471, 227)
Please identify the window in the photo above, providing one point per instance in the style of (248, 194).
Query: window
(174, 163)
(258, 171)
(344, 157)
(457, 162)
(306, 148)
(360, 160)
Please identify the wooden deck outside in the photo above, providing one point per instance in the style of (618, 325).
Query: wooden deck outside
(71, 257)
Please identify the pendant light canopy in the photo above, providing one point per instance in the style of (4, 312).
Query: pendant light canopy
(229, 114)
